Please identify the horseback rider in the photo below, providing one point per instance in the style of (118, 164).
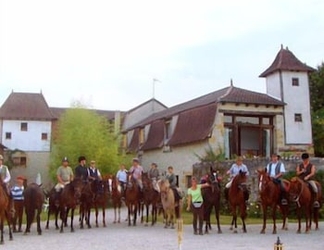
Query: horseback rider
(6, 177)
(95, 176)
(154, 175)
(275, 170)
(64, 175)
(170, 176)
(136, 171)
(121, 178)
(306, 171)
(235, 169)
(81, 171)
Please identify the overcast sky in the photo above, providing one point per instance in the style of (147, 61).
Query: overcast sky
(106, 53)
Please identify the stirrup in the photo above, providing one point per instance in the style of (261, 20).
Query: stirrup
(316, 204)
(284, 202)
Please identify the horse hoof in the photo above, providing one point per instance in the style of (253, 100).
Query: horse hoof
(274, 232)
(298, 231)
(145, 224)
(262, 232)
(235, 231)
(72, 230)
(39, 233)
(114, 222)
(220, 232)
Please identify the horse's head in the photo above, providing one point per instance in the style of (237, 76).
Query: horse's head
(295, 188)
(264, 179)
(164, 185)
(77, 185)
(240, 180)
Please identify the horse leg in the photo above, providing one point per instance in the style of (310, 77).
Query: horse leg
(115, 213)
(56, 217)
(217, 208)
(299, 219)
(274, 210)
(82, 215)
(8, 217)
(129, 214)
(88, 216)
(1, 228)
(39, 229)
(307, 217)
(72, 216)
(243, 216)
(135, 215)
(97, 213)
(103, 216)
(147, 213)
(118, 207)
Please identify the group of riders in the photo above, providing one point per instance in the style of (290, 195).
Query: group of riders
(65, 175)
(276, 169)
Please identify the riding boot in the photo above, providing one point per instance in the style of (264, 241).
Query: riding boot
(315, 199)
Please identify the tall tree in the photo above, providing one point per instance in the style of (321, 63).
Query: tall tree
(317, 108)
(83, 132)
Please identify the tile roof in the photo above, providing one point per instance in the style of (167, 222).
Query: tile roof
(194, 125)
(25, 106)
(229, 94)
(155, 137)
(286, 60)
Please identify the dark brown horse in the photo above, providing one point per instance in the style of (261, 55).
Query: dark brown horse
(301, 194)
(236, 199)
(270, 197)
(151, 197)
(33, 199)
(211, 196)
(116, 196)
(4, 211)
(132, 200)
(53, 208)
(101, 189)
(69, 199)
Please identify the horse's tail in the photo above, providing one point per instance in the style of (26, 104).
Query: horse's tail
(30, 201)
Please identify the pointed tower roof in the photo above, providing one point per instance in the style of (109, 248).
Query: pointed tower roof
(286, 60)
(25, 106)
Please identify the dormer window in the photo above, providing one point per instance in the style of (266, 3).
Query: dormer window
(295, 81)
(167, 129)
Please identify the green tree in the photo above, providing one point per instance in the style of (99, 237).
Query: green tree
(317, 108)
(82, 131)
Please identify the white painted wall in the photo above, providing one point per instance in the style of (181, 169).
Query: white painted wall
(27, 140)
(297, 99)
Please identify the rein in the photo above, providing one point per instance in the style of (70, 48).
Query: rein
(298, 196)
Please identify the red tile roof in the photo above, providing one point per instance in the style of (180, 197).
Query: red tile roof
(25, 106)
(286, 60)
(155, 137)
(194, 125)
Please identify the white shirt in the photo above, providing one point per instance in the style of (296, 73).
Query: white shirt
(273, 168)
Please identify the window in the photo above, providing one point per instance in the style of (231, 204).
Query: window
(295, 81)
(188, 181)
(20, 161)
(23, 126)
(8, 135)
(167, 130)
(141, 136)
(298, 118)
(44, 136)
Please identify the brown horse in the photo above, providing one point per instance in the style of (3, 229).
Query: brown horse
(116, 196)
(150, 197)
(270, 197)
(86, 202)
(301, 194)
(53, 208)
(69, 199)
(171, 211)
(4, 211)
(101, 199)
(132, 196)
(33, 199)
(237, 199)
(211, 196)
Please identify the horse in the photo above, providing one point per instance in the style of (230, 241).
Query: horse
(4, 211)
(301, 194)
(211, 196)
(101, 199)
(33, 199)
(116, 196)
(86, 202)
(171, 211)
(270, 197)
(150, 197)
(132, 196)
(69, 199)
(53, 208)
(236, 199)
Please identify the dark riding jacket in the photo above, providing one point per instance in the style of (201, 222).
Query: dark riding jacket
(308, 170)
(81, 172)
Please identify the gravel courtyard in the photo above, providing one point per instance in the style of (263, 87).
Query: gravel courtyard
(120, 236)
